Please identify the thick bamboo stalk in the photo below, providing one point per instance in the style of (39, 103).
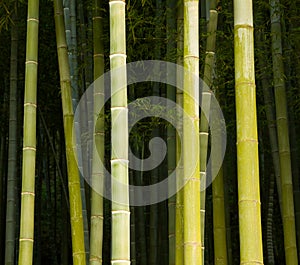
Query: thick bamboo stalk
(247, 144)
(10, 228)
(29, 136)
(78, 248)
(119, 134)
(96, 239)
(283, 138)
(191, 200)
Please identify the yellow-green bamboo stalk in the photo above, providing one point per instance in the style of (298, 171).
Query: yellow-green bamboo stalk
(205, 105)
(247, 144)
(119, 134)
(288, 217)
(29, 136)
(78, 249)
(96, 238)
(191, 191)
(179, 171)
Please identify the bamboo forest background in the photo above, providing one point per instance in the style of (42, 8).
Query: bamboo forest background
(92, 31)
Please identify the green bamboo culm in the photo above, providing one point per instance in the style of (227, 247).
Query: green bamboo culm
(191, 192)
(29, 136)
(120, 252)
(12, 149)
(288, 217)
(247, 143)
(78, 248)
(179, 169)
(96, 238)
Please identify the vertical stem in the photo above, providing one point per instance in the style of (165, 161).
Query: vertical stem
(29, 136)
(119, 134)
(247, 144)
(191, 190)
(288, 217)
(179, 172)
(78, 248)
(96, 240)
(12, 149)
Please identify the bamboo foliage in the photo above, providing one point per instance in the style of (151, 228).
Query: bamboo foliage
(96, 239)
(283, 138)
(12, 149)
(68, 116)
(119, 137)
(247, 144)
(191, 192)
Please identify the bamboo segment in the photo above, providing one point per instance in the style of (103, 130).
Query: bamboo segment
(78, 248)
(247, 144)
(29, 136)
(283, 138)
(119, 136)
(191, 200)
(96, 239)
(220, 248)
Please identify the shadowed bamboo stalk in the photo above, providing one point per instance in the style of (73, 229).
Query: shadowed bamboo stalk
(78, 248)
(179, 171)
(120, 252)
(171, 133)
(288, 217)
(29, 136)
(191, 190)
(10, 228)
(96, 238)
(247, 144)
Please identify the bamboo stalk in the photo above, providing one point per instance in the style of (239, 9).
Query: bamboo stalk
(12, 148)
(29, 136)
(179, 171)
(288, 217)
(247, 144)
(96, 240)
(191, 191)
(78, 248)
(119, 134)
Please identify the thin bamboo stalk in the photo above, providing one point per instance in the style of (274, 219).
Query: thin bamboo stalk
(29, 136)
(96, 239)
(283, 138)
(171, 133)
(12, 148)
(179, 171)
(78, 248)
